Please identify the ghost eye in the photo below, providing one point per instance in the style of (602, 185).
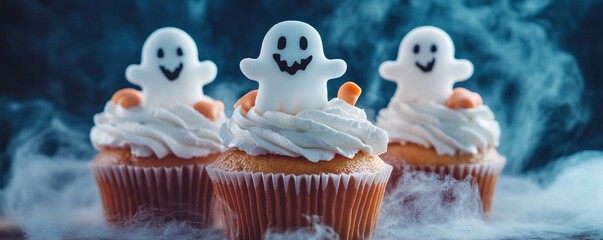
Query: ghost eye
(282, 43)
(434, 48)
(303, 43)
(160, 53)
(416, 49)
(179, 51)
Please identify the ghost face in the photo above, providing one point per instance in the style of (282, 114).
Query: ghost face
(292, 46)
(170, 75)
(426, 48)
(169, 51)
(296, 66)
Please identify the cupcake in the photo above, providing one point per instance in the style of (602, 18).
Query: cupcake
(433, 127)
(293, 154)
(155, 143)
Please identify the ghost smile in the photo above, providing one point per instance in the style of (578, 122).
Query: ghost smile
(282, 65)
(427, 68)
(171, 75)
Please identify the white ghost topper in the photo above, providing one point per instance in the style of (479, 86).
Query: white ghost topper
(170, 72)
(426, 69)
(292, 70)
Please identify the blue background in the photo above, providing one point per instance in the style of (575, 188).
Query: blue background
(536, 63)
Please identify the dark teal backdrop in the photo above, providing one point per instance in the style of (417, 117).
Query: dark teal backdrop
(537, 63)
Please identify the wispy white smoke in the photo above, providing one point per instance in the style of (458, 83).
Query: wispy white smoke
(562, 201)
(316, 231)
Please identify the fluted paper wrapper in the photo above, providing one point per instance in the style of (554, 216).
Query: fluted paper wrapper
(252, 203)
(156, 194)
(483, 175)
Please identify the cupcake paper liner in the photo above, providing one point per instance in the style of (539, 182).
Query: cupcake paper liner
(253, 203)
(483, 175)
(182, 193)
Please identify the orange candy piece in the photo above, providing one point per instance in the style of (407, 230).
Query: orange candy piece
(463, 98)
(127, 98)
(209, 108)
(349, 92)
(247, 101)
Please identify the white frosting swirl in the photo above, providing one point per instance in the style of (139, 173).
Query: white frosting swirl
(338, 128)
(178, 130)
(449, 131)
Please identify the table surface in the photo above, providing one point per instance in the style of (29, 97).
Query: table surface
(9, 230)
